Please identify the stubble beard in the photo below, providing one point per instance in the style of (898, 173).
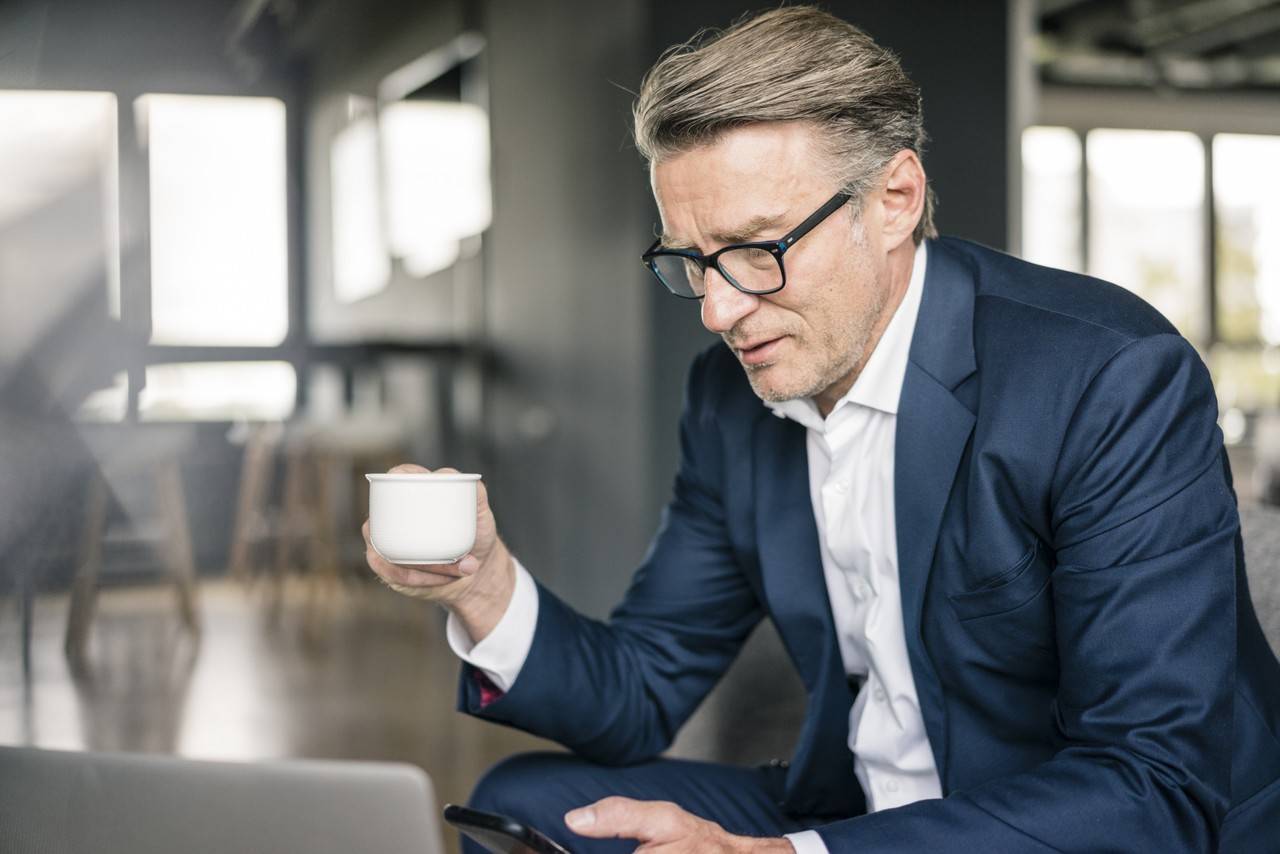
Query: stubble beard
(836, 356)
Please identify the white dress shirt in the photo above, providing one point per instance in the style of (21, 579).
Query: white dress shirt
(851, 457)
(851, 461)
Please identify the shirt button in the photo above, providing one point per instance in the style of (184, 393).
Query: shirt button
(878, 694)
(891, 785)
(841, 487)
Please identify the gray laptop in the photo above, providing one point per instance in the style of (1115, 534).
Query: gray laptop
(57, 802)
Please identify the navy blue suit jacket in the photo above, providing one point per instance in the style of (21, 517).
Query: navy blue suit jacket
(1089, 667)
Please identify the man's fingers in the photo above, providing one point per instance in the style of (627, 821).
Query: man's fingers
(426, 575)
(409, 468)
(404, 576)
(646, 821)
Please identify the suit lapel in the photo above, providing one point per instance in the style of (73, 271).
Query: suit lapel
(933, 428)
(932, 431)
(820, 780)
(791, 564)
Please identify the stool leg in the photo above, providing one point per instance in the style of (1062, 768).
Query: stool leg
(323, 559)
(181, 560)
(255, 474)
(84, 587)
(26, 593)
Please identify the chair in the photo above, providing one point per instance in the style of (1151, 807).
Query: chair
(1260, 527)
(141, 470)
(311, 528)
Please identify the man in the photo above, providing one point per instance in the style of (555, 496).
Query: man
(985, 503)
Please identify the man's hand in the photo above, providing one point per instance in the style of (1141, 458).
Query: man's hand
(662, 826)
(477, 587)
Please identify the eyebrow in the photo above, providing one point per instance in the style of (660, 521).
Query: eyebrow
(743, 234)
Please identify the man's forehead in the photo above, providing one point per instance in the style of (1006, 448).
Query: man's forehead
(744, 183)
(741, 231)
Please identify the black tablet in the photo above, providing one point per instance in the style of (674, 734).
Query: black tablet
(499, 834)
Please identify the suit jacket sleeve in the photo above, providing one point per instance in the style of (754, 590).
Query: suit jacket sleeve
(1144, 523)
(617, 692)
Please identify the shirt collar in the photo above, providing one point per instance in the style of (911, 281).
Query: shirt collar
(880, 384)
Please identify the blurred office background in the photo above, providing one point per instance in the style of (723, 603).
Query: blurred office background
(251, 250)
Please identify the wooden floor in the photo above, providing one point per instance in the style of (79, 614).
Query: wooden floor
(362, 674)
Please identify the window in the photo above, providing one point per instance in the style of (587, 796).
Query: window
(361, 266)
(217, 232)
(1146, 221)
(219, 262)
(437, 166)
(59, 210)
(1051, 160)
(1139, 216)
(1246, 181)
(218, 391)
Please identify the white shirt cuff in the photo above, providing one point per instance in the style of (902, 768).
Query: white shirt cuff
(807, 842)
(501, 654)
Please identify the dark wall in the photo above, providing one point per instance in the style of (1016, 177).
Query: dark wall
(568, 308)
(958, 54)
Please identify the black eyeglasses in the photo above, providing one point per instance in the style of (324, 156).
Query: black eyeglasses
(753, 268)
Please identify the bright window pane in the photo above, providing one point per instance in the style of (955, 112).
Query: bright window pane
(59, 208)
(1146, 232)
(1246, 183)
(436, 156)
(361, 266)
(1051, 197)
(219, 269)
(107, 404)
(1247, 380)
(218, 391)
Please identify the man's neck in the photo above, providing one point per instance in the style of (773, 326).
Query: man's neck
(901, 261)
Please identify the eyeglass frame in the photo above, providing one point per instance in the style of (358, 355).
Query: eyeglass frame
(776, 248)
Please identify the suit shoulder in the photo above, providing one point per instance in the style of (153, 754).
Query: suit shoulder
(1046, 301)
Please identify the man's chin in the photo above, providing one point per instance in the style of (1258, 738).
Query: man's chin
(771, 383)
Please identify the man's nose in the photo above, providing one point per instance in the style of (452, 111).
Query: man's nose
(723, 305)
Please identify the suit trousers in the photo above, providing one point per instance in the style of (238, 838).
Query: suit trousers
(537, 789)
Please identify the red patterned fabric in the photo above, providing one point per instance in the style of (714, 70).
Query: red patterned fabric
(488, 691)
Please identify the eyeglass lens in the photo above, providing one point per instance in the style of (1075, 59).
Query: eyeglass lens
(752, 269)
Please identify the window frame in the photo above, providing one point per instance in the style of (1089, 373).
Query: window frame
(1206, 115)
(298, 348)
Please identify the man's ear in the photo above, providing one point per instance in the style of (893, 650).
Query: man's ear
(902, 198)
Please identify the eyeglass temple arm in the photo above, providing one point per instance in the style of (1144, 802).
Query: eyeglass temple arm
(833, 204)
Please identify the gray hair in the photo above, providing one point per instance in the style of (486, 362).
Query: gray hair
(793, 64)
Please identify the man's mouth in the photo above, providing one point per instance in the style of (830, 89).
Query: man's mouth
(759, 351)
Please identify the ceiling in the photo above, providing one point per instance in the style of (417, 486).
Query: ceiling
(1200, 45)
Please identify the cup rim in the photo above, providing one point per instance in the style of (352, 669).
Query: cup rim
(438, 477)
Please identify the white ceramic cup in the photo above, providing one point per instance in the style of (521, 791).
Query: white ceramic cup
(418, 518)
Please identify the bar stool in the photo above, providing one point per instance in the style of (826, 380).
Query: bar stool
(140, 463)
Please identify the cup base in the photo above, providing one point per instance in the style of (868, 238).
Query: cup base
(433, 562)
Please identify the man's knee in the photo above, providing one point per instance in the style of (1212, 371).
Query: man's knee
(537, 789)
(526, 787)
